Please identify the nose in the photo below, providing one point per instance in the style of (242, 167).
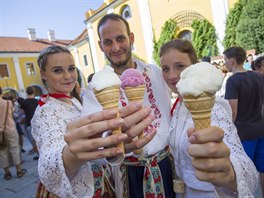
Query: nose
(174, 74)
(115, 46)
(67, 75)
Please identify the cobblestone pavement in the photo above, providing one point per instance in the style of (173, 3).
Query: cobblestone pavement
(24, 187)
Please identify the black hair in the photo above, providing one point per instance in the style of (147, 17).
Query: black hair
(238, 53)
(259, 62)
(30, 90)
(113, 17)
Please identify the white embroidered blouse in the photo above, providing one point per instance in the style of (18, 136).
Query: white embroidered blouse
(246, 174)
(156, 96)
(48, 129)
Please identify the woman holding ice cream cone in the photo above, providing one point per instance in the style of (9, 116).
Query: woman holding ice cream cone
(67, 142)
(209, 162)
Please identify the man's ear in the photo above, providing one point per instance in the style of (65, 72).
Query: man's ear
(131, 38)
(100, 45)
(233, 61)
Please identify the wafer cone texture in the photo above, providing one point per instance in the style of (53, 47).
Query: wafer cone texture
(108, 98)
(200, 108)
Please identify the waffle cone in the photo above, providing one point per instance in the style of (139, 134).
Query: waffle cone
(108, 98)
(136, 94)
(200, 108)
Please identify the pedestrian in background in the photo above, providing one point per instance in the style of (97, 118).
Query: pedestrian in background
(12, 148)
(245, 93)
(29, 106)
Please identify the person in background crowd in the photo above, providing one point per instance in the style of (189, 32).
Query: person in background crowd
(248, 64)
(12, 148)
(245, 93)
(17, 117)
(211, 161)
(29, 106)
(90, 77)
(135, 177)
(206, 59)
(259, 65)
(69, 143)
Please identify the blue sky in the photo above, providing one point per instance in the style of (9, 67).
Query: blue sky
(65, 17)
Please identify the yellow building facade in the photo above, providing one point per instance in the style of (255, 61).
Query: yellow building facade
(146, 18)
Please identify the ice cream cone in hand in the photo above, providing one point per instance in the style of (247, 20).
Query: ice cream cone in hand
(134, 85)
(106, 87)
(200, 108)
(197, 86)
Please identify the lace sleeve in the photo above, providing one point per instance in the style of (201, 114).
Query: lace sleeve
(246, 173)
(48, 129)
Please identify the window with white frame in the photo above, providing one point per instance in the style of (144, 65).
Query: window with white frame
(85, 60)
(30, 69)
(4, 70)
(126, 12)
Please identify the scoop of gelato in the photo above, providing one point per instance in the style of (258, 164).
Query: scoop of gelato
(105, 78)
(132, 78)
(200, 78)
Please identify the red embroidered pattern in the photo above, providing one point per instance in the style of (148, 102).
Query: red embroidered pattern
(151, 100)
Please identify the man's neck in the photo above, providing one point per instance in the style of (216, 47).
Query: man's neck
(238, 68)
(31, 96)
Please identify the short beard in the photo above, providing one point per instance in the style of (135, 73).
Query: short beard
(120, 63)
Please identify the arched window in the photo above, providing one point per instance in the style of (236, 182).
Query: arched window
(126, 12)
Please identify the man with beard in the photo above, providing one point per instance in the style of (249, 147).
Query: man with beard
(148, 174)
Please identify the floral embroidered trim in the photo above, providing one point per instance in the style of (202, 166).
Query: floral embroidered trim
(152, 181)
(151, 100)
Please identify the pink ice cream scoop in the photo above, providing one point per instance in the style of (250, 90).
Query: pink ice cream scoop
(132, 78)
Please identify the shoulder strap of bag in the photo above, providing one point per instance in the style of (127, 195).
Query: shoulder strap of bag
(6, 114)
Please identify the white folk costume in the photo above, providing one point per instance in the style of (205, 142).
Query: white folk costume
(49, 127)
(157, 97)
(246, 174)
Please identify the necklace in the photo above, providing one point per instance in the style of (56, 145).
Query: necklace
(43, 98)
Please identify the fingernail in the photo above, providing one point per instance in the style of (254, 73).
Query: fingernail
(147, 110)
(138, 104)
(119, 121)
(122, 137)
(191, 139)
(119, 151)
(112, 112)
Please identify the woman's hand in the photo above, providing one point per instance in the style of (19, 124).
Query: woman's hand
(84, 135)
(211, 157)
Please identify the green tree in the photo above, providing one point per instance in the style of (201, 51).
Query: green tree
(168, 32)
(250, 28)
(231, 23)
(204, 38)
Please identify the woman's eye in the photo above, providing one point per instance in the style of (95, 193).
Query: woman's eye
(57, 70)
(72, 68)
(180, 67)
(165, 69)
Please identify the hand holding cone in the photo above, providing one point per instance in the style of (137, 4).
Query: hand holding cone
(108, 98)
(136, 94)
(133, 83)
